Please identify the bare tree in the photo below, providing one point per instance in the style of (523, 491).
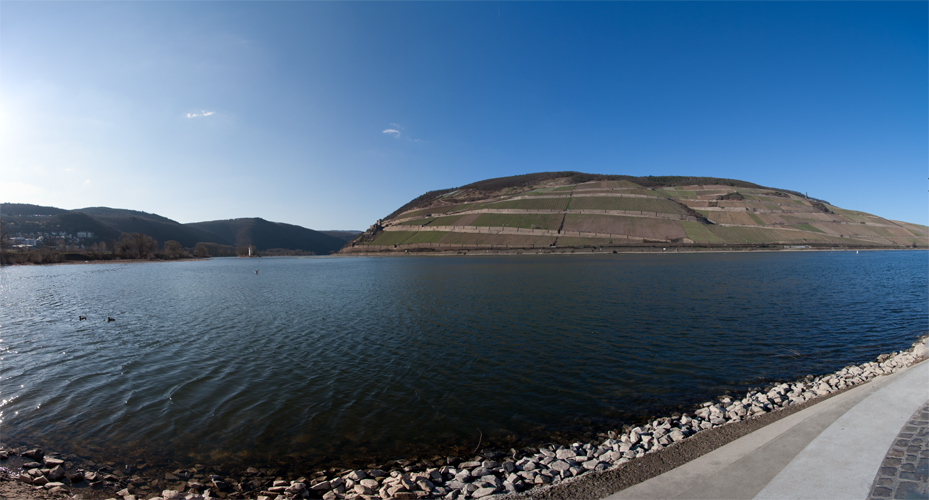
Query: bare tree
(136, 246)
(174, 250)
(201, 251)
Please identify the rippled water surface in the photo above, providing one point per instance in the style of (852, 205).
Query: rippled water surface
(326, 358)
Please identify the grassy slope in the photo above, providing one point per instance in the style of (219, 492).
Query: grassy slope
(736, 213)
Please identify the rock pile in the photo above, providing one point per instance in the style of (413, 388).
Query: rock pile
(493, 472)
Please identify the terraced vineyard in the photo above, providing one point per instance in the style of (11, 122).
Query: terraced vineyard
(559, 210)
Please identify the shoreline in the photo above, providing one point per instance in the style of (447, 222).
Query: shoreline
(105, 261)
(628, 250)
(488, 252)
(623, 458)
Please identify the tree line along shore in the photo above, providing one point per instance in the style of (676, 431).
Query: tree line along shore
(132, 247)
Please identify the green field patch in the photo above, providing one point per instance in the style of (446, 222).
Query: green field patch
(756, 219)
(464, 207)
(745, 234)
(538, 204)
(808, 227)
(392, 237)
(676, 194)
(564, 188)
(528, 221)
(623, 203)
(699, 232)
(425, 237)
(642, 191)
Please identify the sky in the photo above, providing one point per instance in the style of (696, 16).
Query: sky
(331, 115)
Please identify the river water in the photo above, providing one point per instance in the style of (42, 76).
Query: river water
(316, 361)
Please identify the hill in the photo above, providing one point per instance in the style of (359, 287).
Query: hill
(108, 224)
(577, 210)
(267, 235)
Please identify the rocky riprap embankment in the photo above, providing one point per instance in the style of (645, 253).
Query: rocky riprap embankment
(493, 473)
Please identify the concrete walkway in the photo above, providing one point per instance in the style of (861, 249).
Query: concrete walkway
(831, 450)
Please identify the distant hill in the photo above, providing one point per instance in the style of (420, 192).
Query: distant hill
(20, 209)
(265, 235)
(345, 236)
(558, 210)
(109, 223)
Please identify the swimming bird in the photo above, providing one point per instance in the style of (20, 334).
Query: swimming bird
(109, 319)
(81, 318)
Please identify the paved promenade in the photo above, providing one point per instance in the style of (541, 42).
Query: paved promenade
(867, 442)
(905, 471)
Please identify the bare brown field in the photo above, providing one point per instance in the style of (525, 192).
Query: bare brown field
(919, 231)
(416, 222)
(699, 232)
(573, 241)
(769, 219)
(746, 234)
(436, 210)
(740, 218)
(736, 204)
(449, 220)
(596, 185)
(640, 227)
(466, 220)
(622, 203)
(807, 217)
(698, 204)
(642, 191)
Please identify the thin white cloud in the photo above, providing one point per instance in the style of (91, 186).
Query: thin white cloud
(87, 183)
(396, 130)
(201, 114)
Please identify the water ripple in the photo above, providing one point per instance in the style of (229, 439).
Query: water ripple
(323, 358)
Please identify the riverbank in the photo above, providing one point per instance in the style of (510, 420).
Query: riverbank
(101, 261)
(628, 456)
(607, 251)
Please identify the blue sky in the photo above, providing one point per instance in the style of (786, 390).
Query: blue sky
(332, 115)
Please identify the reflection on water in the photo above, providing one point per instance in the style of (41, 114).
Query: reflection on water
(324, 358)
